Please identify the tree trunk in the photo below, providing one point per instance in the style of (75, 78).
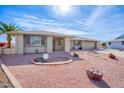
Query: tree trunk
(9, 40)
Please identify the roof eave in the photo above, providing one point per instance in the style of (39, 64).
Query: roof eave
(41, 33)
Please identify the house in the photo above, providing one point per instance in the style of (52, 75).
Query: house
(117, 43)
(44, 41)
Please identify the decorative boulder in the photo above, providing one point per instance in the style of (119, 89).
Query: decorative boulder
(38, 59)
(75, 55)
(94, 73)
(45, 57)
(94, 52)
(112, 56)
(121, 49)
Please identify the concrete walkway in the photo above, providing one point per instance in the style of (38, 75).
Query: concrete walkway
(113, 51)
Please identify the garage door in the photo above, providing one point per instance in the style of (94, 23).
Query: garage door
(88, 45)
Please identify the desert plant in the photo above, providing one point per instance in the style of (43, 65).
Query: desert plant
(5, 28)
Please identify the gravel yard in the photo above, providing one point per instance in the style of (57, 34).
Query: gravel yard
(4, 81)
(71, 75)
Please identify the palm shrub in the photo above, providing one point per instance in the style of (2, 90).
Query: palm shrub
(5, 28)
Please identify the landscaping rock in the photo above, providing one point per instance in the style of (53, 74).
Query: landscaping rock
(112, 56)
(75, 55)
(38, 60)
(4, 81)
(94, 73)
(45, 56)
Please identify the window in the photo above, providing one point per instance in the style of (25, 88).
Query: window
(76, 42)
(35, 40)
(79, 42)
(109, 43)
(122, 42)
(43, 40)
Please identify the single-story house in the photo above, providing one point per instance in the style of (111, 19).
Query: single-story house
(117, 43)
(44, 41)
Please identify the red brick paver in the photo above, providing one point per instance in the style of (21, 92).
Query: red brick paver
(66, 75)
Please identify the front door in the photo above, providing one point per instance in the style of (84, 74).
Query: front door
(58, 44)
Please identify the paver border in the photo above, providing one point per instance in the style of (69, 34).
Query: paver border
(52, 63)
(12, 79)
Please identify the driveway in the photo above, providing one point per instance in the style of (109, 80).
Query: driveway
(113, 51)
(66, 75)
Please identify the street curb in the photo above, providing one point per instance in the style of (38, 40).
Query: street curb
(12, 79)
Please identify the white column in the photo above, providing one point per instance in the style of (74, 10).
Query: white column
(49, 44)
(67, 44)
(19, 44)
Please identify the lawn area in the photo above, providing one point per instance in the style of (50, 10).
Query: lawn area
(66, 75)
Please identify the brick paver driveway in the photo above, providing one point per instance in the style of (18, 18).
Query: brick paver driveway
(66, 75)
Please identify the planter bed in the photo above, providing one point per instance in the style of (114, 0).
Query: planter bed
(4, 81)
(54, 60)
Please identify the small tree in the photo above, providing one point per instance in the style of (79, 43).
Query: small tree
(5, 28)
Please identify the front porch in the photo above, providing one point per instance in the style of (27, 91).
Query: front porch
(58, 44)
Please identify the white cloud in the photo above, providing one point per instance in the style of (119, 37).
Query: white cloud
(98, 12)
(106, 23)
(103, 22)
(33, 23)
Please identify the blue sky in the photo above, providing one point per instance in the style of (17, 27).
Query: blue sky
(98, 22)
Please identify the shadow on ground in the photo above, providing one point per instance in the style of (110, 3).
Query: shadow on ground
(100, 84)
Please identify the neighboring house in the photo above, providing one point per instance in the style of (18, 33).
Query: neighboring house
(117, 43)
(44, 41)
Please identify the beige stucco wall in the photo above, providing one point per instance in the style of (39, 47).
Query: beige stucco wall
(34, 49)
(67, 44)
(49, 44)
(99, 45)
(9, 51)
(19, 44)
